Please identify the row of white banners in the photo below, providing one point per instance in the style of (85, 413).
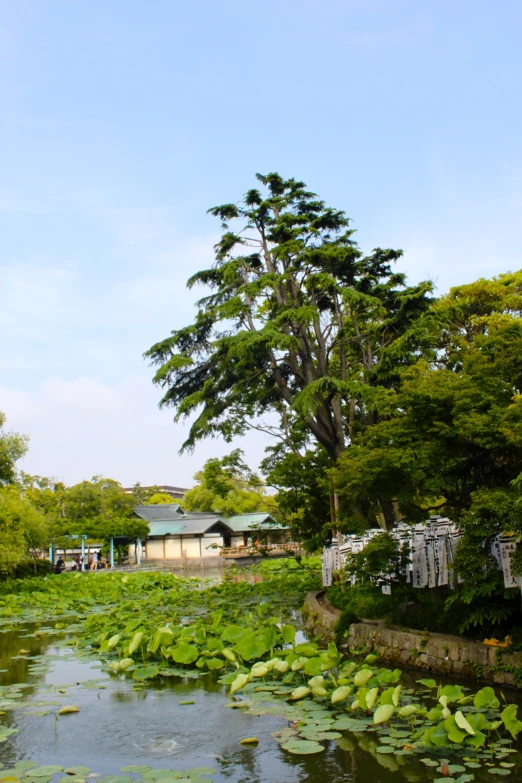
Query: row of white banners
(432, 546)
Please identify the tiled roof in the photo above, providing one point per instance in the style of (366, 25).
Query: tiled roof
(243, 523)
(160, 511)
(187, 527)
(177, 522)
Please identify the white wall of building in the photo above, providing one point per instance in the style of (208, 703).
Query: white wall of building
(172, 547)
(190, 546)
(154, 549)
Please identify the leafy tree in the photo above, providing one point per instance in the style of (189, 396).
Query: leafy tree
(159, 498)
(304, 495)
(454, 425)
(299, 325)
(23, 530)
(227, 486)
(12, 448)
(453, 441)
(100, 509)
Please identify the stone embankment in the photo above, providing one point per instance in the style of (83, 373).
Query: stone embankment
(430, 652)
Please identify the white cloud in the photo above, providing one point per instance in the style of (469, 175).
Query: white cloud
(35, 296)
(82, 427)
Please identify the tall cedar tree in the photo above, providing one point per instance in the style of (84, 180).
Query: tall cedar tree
(298, 324)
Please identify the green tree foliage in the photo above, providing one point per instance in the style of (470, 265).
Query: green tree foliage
(23, 530)
(298, 326)
(304, 494)
(101, 509)
(159, 498)
(227, 486)
(454, 427)
(452, 440)
(12, 448)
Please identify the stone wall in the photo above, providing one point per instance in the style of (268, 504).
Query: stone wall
(430, 652)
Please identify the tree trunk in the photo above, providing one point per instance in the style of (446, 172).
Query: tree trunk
(388, 513)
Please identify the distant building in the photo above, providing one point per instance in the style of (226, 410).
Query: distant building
(175, 533)
(176, 493)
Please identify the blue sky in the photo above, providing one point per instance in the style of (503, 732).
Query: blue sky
(124, 120)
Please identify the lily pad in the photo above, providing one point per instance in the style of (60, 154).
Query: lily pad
(116, 779)
(303, 747)
(139, 768)
(45, 771)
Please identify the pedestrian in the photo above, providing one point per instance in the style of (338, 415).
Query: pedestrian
(60, 566)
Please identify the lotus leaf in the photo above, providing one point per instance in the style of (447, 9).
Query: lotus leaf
(316, 682)
(313, 666)
(308, 650)
(138, 768)
(215, 663)
(288, 632)
(115, 779)
(145, 673)
(135, 642)
(184, 653)
(68, 709)
(510, 721)
(250, 649)
(438, 736)
(362, 677)
(240, 681)
(249, 741)
(113, 641)
(453, 692)
(299, 693)
(477, 740)
(383, 713)
(234, 634)
(483, 697)
(298, 664)
(342, 693)
(462, 723)
(46, 771)
(455, 733)
(329, 661)
(371, 697)
(302, 747)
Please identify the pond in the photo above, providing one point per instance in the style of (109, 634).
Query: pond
(180, 725)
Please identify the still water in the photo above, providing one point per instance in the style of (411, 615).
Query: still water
(117, 725)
